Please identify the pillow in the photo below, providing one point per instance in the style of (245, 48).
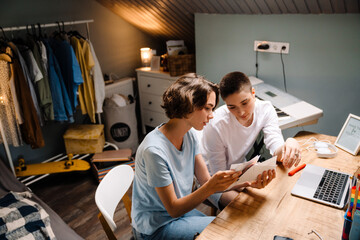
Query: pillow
(21, 218)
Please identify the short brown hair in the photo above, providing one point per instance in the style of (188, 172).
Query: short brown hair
(188, 93)
(234, 82)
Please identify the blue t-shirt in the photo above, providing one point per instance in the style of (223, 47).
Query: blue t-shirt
(157, 164)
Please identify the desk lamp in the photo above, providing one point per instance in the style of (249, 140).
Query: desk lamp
(146, 55)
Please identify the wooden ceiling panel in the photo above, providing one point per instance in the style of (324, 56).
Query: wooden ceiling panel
(314, 6)
(222, 7)
(352, 6)
(203, 6)
(263, 6)
(302, 6)
(338, 6)
(326, 6)
(291, 6)
(254, 8)
(243, 5)
(235, 6)
(282, 6)
(274, 7)
(229, 6)
(213, 6)
(181, 12)
(174, 19)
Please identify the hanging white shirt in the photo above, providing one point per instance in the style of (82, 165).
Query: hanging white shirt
(98, 79)
(43, 54)
(225, 141)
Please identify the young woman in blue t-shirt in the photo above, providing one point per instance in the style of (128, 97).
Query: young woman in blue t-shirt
(163, 204)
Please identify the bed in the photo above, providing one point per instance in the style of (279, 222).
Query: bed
(9, 183)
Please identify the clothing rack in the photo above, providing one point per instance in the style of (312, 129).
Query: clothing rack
(46, 25)
(18, 28)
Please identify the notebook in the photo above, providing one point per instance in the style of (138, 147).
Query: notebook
(323, 185)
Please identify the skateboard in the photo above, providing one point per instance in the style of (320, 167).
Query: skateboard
(68, 165)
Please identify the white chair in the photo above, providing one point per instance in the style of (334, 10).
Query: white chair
(108, 194)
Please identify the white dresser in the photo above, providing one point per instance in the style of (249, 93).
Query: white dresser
(152, 85)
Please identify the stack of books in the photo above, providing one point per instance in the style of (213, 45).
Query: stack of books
(103, 162)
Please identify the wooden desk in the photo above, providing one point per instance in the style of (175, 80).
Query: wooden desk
(263, 213)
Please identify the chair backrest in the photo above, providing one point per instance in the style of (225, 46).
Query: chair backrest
(111, 190)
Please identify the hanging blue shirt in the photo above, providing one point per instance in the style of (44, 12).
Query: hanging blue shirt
(61, 102)
(69, 66)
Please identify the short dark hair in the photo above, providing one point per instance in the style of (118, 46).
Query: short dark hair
(188, 93)
(234, 82)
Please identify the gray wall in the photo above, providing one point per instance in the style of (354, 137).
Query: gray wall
(117, 45)
(322, 67)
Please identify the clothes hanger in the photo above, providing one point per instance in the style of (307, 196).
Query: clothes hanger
(42, 32)
(33, 29)
(3, 37)
(75, 33)
(27, 30)
(56, 32)
(40, 35)
(63, 27)
(20, 41)
(5, 56)
(64, 34)
(60, 34)
(3, 43)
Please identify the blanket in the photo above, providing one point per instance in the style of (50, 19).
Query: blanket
(21, 218)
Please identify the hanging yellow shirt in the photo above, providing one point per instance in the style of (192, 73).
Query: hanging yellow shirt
(86, 90)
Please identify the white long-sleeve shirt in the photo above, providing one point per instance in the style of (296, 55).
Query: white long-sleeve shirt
(225, 141)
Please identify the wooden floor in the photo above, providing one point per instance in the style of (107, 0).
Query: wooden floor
(72, 196)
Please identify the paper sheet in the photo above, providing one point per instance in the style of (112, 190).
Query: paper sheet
(241, 166)
(252, 173)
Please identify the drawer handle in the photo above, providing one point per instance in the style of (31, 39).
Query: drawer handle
(150, 103)
(148, 85)
(151, 119)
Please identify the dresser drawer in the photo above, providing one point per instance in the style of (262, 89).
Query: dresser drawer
(151, 102)
(153, 119)
(153, 85)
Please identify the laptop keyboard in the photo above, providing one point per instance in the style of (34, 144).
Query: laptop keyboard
(331, 187)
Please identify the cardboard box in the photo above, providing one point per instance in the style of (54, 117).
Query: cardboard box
(84, 139)
(102, 163)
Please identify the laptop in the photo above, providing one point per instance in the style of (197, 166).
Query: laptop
(323, 185)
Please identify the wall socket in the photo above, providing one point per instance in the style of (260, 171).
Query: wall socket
(274, 47)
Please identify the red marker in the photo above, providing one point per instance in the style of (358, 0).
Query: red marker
(295, 170)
